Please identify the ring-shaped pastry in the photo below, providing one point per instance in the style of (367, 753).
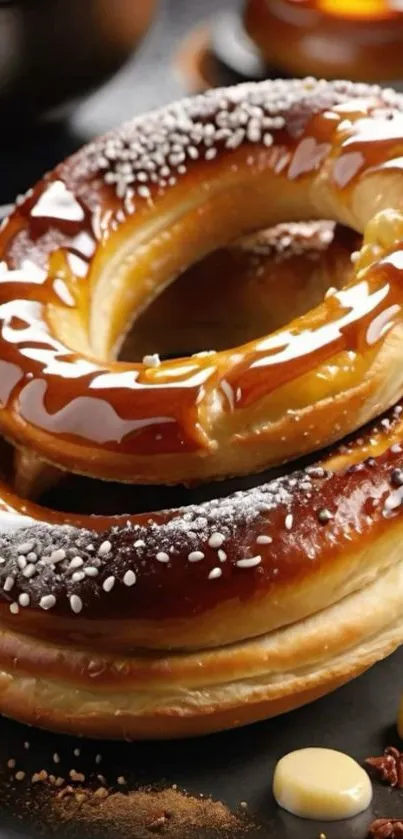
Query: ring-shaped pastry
(101, 236)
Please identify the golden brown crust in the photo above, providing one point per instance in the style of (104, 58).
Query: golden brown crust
(174, 696)
(326, 40)
(216, 612)
(90, 243)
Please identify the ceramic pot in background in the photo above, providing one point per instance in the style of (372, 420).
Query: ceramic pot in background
(54, 50)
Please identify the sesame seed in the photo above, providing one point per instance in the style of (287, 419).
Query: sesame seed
(9, 582)
(129, 578)
(90, 571)
(264, 540)
(76, 603)
(27, 745)
(108, 584)
(249, 562)
(21, 562)
(76, 562)
(25, 547)
(162, 557)
(47, 602)
(222, 556)
(76, 752)
(289, 521)
(24, 599)
(11, 763)
(58, 556)
(105, 548)
(121, 780)
(324, 515)
(195, 556)
(29, 571)
(140, 543)
(98, 759)
(215, 573)
(152, 360)
(19, 776)
(56, 758)
(216, 540)
(78, 576)
(14, 608)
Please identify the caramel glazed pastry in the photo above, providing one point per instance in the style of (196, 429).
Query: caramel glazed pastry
(185, 621)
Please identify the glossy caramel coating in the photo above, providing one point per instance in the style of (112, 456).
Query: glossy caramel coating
(355, 39)
(280, 551)
(148, 646)
(101, 236)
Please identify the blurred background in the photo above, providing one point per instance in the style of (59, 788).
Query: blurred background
(70, 69)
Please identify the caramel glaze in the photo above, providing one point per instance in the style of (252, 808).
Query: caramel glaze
(361, 41)
(126, 421)
(294, 532)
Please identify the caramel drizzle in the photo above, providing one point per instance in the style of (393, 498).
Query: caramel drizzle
(113, 405)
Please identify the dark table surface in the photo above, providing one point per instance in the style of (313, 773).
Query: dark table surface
(232, 767)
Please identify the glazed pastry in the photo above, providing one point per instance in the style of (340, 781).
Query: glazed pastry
(355, 39)
(189, 620)
(95, 242)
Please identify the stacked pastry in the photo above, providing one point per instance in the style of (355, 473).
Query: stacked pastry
(207, 616)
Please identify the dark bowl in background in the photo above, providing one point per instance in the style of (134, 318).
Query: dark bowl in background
(52, 51)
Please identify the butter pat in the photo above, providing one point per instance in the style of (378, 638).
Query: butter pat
(321, 784)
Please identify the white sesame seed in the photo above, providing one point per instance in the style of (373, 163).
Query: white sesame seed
(26, 745)
(162, 557)
(24, 599)
(29, 571)
(98, 759)
(56, 758)
(76, 603)
(152, 360)
(9, 582)
(76, 752)
(11, 763)
(216, 540)
(105, 548)
(78, 577)
(249, 562)
(76, 562)
(289, 521)
(264, 540)
(121, 780)
(108, 584)
(14, 608)
(195, 556)
(90, 571)
(21, 562)
(140, 543)
(215, 574)
(47, 602)
(222, 556)
(26, 547)
(19, 776)
(129, 578)
(58, 556)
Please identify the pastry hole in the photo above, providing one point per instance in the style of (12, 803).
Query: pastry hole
(244, 291)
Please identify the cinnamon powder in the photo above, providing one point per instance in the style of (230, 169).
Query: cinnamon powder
(144, 813)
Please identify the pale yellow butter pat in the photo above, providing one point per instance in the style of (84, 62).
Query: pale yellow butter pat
(321, 784)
